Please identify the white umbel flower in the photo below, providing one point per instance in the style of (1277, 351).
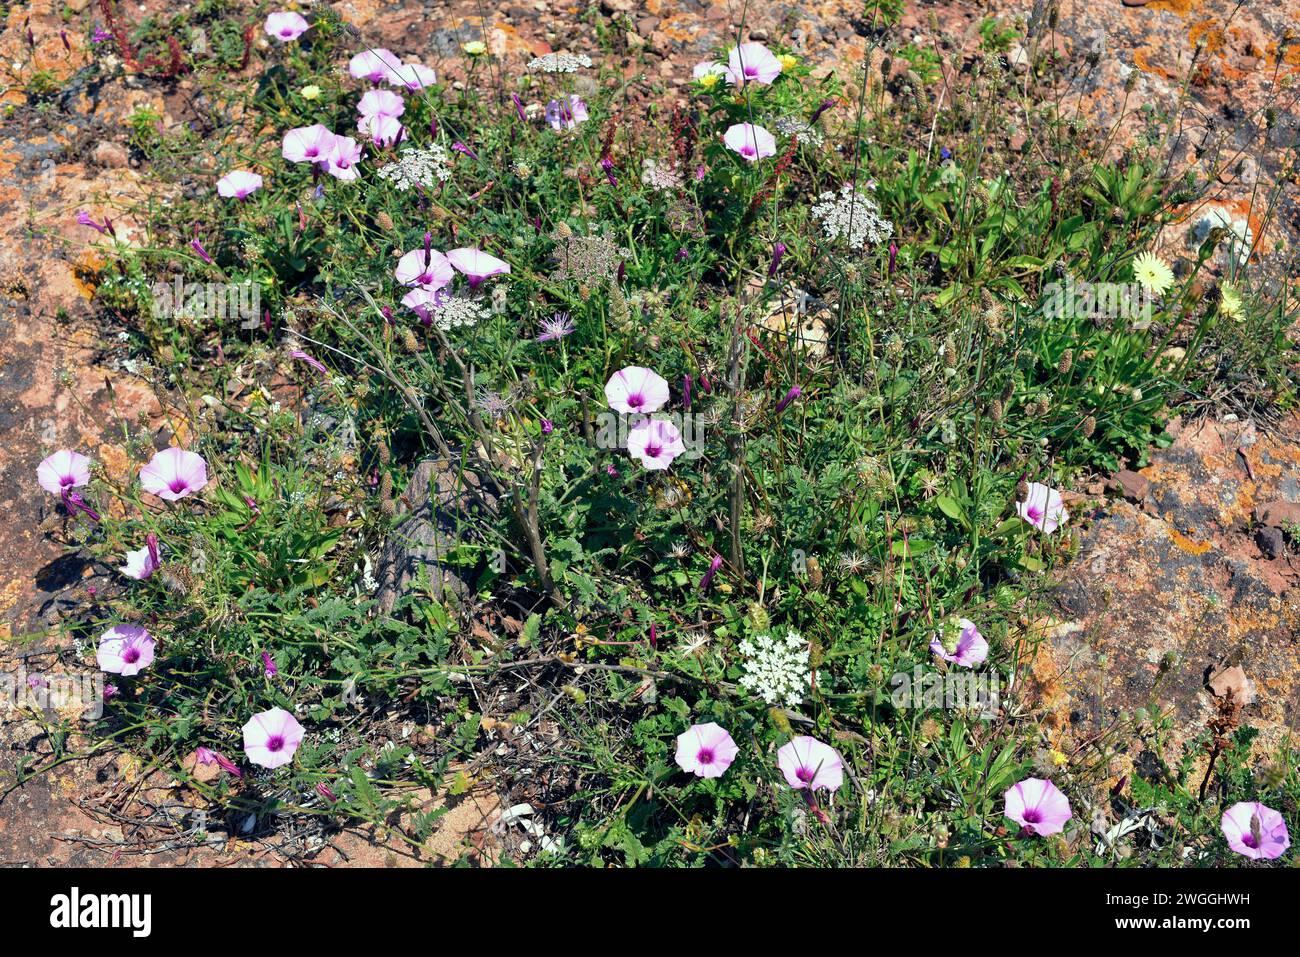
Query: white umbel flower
(776, 668)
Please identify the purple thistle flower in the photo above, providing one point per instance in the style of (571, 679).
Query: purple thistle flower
(100, 35)
(778, 251)
(547, 426)
(556, 327)
(789, 397)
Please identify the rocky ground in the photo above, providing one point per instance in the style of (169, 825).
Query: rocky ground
(1186, 570)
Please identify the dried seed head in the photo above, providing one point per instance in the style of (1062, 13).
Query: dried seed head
(1089, 426)
(1067, 360)
(384, 221)
(409, 342)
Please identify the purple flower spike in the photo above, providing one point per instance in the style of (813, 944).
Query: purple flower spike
(707, 580)
(269, 665)
(203, 253)
(789, 397)
(778, 251)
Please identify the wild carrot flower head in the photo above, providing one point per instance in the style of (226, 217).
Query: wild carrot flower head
(776, 668)
(705, 750)
(377, 65)
(752, 63)
(960, 643)
(285, 26)
(1255, 831)
(636, 389)
(272, 737)
(125, 650)
(174, 473)
(655, 443)
(238, 184)
(752, 142)
(477, 265)
(1038, 806)
(307, 144)
(381, 103)
(809, 763)
(567, 113)
(63, 470)
(1043, 508)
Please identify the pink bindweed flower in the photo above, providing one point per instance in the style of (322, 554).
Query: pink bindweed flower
(655, 443)
(752, 62)
(141, 563)
(477, 265)
(272, 737)
(324, 791)
(382, 130)
(269, 665)
(750, 141)
(344, 154)
(424, 301)
(307, 144)
(636, 389)
(413, 76)
(285, 26)
(174, 473)
(1037, 806)
(84, 219)
(36, 681)
(426, 268)
(459, 147)
(970, 650)
(705, 750)
(203, 253)
(778, 251)
(208, 756)
(1043, 508)
(1255, 830)
(74, 503)
(808, 763)
(238, 184)
(377, 66)
(566, 114)
(381, 103)
(63, 470)
(125, 650)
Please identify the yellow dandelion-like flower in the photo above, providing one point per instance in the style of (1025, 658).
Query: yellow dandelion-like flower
(788, 60)
(710, 80)
(475, 47)
(1152, 273)
(1059, 758)
(310, 92)
(1230, 303)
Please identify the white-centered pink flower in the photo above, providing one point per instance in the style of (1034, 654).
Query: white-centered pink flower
(343, 157)
(476, 265)
(381, 103)
(414, 76)
(422, 301)
(752, 63)
(426, 268)
(705, 750)
(141, 563)
(377, 65)
(382, 130)
(636, 389)
(1038, 806)
(174, 473)
(1043, 508)
(285, 26)
(125, 650)
(752, 142)
(307, 144)
(63, 470)
(238, 184)
(1255, 830)
(970, 649)
(809, 763)
(272, 737)
(566, 114)
(655, 443)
